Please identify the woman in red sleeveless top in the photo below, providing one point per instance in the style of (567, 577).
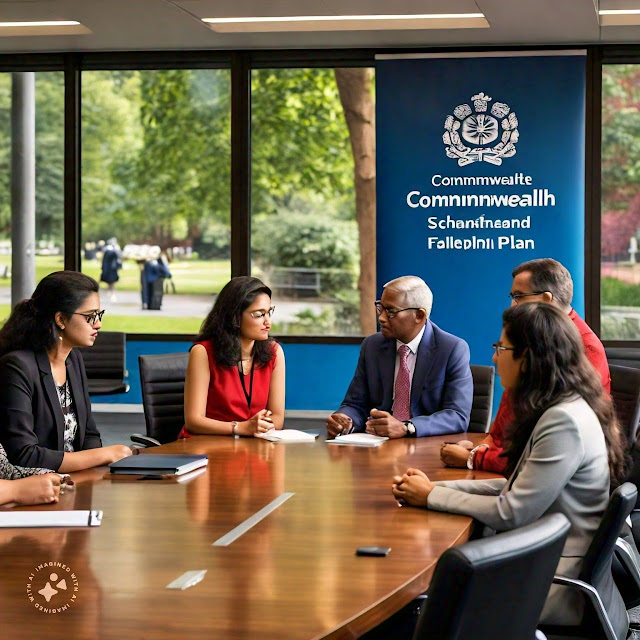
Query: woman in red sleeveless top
(236, 372)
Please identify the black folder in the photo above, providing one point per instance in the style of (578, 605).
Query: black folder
(158, 464)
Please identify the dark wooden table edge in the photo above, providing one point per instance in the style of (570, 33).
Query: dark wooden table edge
(402, 596)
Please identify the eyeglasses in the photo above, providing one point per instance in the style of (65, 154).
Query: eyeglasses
(498, 348)
(392, 313)
(91, 317)
(258, 315)
(516, 296)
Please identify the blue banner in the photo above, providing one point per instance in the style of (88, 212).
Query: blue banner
(480, 166)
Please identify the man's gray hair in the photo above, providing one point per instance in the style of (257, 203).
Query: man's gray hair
(548, 274)
(416, 292)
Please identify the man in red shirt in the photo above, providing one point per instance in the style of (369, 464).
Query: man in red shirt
(540, 280)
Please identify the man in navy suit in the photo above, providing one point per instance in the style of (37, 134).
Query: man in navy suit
(412, 378)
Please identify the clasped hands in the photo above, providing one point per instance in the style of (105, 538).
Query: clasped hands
(261, 422)
(379, 423)
(412, 488)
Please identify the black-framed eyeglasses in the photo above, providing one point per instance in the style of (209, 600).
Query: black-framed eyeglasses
(497, 348)
(91, 317)
(516, 296)
(392, 313)
(257, 315)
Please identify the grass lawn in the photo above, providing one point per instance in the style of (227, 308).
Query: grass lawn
(137, 324)
(189, 276)
(151, 324)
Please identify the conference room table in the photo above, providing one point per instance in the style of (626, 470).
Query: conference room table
(294, 575)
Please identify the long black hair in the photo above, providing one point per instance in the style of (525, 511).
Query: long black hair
(222, 325)
(32, 324)
(555, 369)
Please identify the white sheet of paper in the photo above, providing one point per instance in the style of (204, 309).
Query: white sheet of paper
(359, 440)
(18, 519)
(287, 435)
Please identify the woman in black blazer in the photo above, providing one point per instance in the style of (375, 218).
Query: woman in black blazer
(45, 410)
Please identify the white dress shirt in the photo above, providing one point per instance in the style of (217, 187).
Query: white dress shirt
(411, 358)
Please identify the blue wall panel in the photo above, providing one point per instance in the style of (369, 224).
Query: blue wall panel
(317, 374)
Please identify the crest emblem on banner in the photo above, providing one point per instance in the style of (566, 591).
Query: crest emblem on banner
(468, 133)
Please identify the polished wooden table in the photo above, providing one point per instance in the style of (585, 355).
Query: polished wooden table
(294, 575)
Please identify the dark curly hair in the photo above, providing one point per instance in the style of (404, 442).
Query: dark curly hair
(32, 324)
(222, 325)
(557, 368)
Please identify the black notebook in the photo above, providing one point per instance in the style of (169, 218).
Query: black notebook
(158, 464)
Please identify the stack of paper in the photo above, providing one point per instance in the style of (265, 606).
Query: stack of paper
(287, 435)
(359, 440)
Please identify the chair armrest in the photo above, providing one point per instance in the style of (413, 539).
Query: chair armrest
(145, 441)
(594, 598)
(628, 559)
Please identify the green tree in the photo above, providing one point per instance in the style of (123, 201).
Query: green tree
(49, 97)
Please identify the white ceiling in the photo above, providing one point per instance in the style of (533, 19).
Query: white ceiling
(174, 24)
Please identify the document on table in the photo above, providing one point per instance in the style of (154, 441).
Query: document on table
(287, 435)
(18, 519)
(359, 440)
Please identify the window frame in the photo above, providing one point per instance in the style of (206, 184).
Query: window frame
(241, 63)
(598, 57)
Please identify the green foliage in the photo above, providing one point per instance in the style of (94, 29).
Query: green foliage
(156, 152)
(215, 242)
(616, 293)
(298, 240)
(167, 153)
(49, 95)
(620, 134)
(300, 141)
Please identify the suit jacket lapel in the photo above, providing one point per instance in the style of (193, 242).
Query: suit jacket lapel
(52, 395)
(387, 368)
(424, 362)
(77, 394)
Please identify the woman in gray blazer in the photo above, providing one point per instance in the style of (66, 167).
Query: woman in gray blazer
(565, 446)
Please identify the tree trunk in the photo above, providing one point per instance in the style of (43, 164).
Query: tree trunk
(356, 96)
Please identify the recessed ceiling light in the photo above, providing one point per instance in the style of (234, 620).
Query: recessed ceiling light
(418, 16)
(41, 23)
(349, 22)
(619, 17)
(619, 12)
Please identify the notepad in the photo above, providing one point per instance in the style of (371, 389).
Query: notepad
(51, 518)
(359, 440)
(158, 464)
(287, 435)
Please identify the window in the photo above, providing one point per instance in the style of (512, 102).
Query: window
(156, 194)
(47, 89)
(620, 253)
(312, 205)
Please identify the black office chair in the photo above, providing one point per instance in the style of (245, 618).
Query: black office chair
(625, 393)
(105, 363)
(605, 611)
(513, 569)
(162, 379)
(482, 404)
(623, 356)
